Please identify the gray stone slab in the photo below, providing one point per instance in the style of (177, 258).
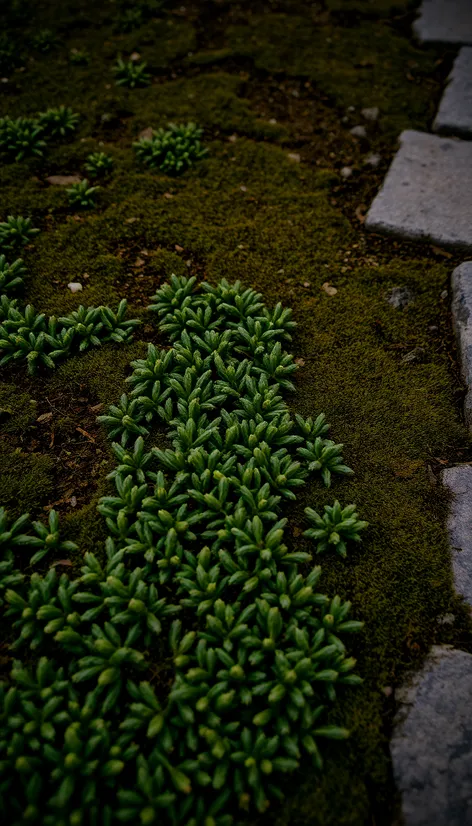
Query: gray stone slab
(427, 193)
(459, 481)
(455, 111)
(431, 745)
(462, 322)
(444, 21)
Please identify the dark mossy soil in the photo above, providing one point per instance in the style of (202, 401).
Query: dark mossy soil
(276, 87)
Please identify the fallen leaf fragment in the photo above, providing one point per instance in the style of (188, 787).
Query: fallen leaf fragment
(439, 251)
(328, 288)
(84, 433)
(360, 213)
(130, 220)
(178, 248)
(66, 562)
(146, 133)
(168, 195)
(97, 407)
(140, 262)
(63, 180)
(294, 156)
(45, 417)
(300, 362)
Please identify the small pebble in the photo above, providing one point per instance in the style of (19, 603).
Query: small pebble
(351, 109)
(294, 156)
(446, 619)
(370, 112)
(359, 131)
(233, 138)
(373, 159)
(4, 80)
(272, 120)
(346, 172)
(444, 294)
(75, 286)
(400, 297)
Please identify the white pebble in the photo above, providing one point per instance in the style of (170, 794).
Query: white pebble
(358, 131)
(75, 286)
(373, 159)
(370, 112)
(346, 172)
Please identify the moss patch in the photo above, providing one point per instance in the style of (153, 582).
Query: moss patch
(285, 225)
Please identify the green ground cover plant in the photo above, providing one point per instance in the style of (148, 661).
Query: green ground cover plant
(259, 651)
(171, 150)
(272, 86)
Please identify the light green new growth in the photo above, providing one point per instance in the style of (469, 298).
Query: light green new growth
(171, 150)
(131, 73)
(82, 195)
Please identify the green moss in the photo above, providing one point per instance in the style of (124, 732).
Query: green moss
(17, 409)
(26, 481)
(364, 65)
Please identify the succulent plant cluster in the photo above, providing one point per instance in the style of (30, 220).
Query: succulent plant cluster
(82, 195)
(171, 150)
(32, 337)
(28, 137)
(131, 73)
(188, 667)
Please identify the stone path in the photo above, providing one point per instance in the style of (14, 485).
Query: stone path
(427, 194)
(444, 21)
(455, 112)
(432, 742)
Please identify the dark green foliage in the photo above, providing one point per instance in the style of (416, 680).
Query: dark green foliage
(336, 527)
(171, 150)
(129, 20)
(21, 138)
(27, 335)
(248, 684)
(98, 164)
(44, 41)
(131, 73)
(11, 275)
(58, 122)
(10, 53)
(15, 233)
(79, 57)
(82, 195)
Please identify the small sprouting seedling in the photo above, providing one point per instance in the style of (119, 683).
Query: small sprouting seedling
(58, 122)
(11, 275)
(82, 194)
(15, 233)
(98, 164)
(44, 41)
(131, 74)
(129, 20)
(79, 57)
(336, 527)
(48, 539)
(21, 138)
(9, 53)
(172, 150)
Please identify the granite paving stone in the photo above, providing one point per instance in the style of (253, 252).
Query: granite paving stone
(462, 322)
(458, 480)
(431, 746)
(455, 111)
(444, 21)
(427, 193)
